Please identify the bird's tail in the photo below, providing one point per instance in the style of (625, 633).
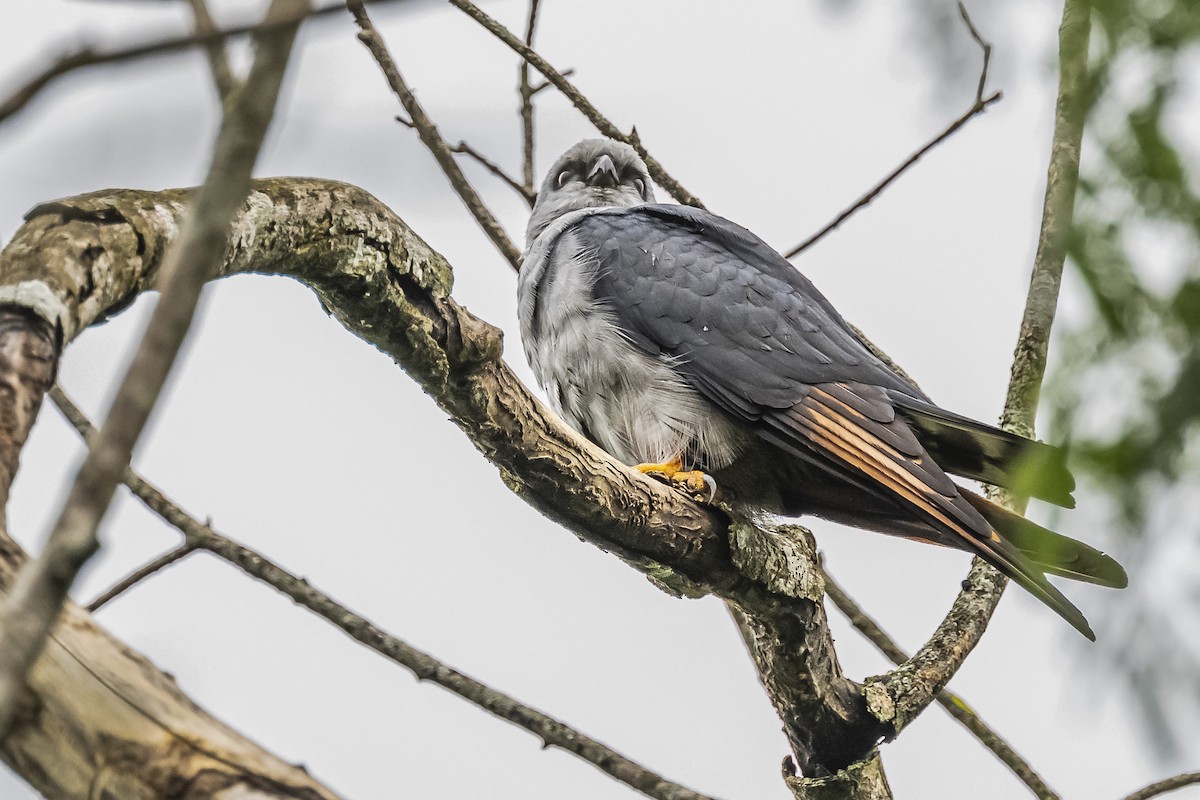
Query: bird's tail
(1052, 552)
(963, 446)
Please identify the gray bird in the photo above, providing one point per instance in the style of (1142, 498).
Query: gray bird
(683, 344)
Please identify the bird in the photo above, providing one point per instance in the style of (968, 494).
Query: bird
(687, 347)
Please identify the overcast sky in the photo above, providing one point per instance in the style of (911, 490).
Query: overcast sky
(305, 443)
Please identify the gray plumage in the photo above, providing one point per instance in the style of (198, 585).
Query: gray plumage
(661, 331)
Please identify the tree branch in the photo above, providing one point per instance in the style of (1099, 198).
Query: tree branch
(141, 573)
(428, 132)
(385, 285)
(978, 107)
(1058, 210)
(89, 57)
(37, 597)
(602, 123)
(528, 195)
(218, 57)
(1164, 786)
(526, 93)
(955, 706)
(902, 694)
(552, 733)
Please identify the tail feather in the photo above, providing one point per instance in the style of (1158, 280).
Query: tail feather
(1052, 552)
(1015, 565)
(981, 452)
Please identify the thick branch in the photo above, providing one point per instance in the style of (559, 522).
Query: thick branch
(552, 733)
(902, 694)
(37, 597)
(28, 359)
(385, 285)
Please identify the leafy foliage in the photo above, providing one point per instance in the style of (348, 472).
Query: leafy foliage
(1124, 385)
(1126, 391)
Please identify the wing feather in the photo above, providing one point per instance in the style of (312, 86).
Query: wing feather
(757, 339)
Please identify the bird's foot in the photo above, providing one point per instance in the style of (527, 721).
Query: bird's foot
(694, 483)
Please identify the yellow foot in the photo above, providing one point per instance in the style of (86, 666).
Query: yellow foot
(695, 483)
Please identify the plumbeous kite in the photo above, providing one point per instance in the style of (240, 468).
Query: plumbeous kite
(684, 344)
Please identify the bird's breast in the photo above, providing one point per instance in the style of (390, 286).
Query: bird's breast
(635, 405)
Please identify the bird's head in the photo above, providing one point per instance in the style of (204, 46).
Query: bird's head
(596, 173)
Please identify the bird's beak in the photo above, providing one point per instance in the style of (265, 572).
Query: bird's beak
(603, 174)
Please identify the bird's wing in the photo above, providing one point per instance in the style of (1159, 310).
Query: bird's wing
(691, 285)
(845, 424)
(758, 340)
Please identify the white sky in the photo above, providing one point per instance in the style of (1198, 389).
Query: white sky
(313, 448)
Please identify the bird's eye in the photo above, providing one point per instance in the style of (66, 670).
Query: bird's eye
(640, 186)
(563, 177)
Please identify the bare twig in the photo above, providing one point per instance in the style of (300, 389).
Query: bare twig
(552, 733)
(566, 73)
(432, 140)
(602, 123)
(528, 195)
(954, 705)
(907, 690)
(978, 107)
(527, 92)
(41, 588)
(140, 574)
(985, 46)
(88, 57)
(218, 57)
(1164, 786)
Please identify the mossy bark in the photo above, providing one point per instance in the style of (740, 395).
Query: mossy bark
(88, 256)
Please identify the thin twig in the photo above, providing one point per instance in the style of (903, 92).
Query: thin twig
(866, 199)
(40, 589)
(1164, 786)
(528, 195)
(140, 574)
(526, 92)
(940, 657)
(432, 140)
(88, 57)
(954, 705)
(978, 107)
(550, 731)
(602, 123)
(566, 73)
(218, 57)
(985, 46)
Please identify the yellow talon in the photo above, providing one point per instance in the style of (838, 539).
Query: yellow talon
(694, 482)
(667, 468)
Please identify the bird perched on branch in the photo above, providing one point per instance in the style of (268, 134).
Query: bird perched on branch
(685, 345)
